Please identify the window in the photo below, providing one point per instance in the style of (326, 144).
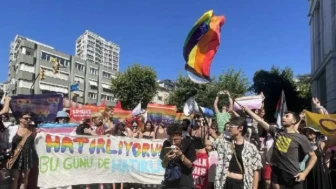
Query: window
(25, 84)
(55, 88)
(26, 68)
(79, 66)
(317, 38)
(93, 71)
(107, 75)
(79, 79)
(322, 88)
(160, 98)
(46, 56)
(92, 95)
(49, 72)
(107, 98)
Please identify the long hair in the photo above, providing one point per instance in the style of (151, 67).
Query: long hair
(151, 127)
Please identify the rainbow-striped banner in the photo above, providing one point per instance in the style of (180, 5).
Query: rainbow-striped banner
(120, 114)
(161, 113)
(114, 159)
(56, 128)
(180, 116)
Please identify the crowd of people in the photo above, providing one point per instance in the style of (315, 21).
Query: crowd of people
(255, 154)
(251, 152)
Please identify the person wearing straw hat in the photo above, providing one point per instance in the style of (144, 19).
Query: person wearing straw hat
(318, 177)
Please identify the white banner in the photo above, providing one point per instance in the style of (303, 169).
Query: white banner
(73, 160)
(251, 102)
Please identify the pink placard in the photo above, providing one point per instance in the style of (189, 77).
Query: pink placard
(251, 102)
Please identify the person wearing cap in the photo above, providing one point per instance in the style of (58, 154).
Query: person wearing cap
(238, 161)
(62, 117)
(318, 177)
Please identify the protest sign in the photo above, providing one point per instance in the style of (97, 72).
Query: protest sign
(251, 102)
(97, 159)
(79, 114)
(44, 106)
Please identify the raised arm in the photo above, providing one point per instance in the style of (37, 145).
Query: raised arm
(320, 109)
(263, 123)
(230, 101)
(5, 108)
(216, 104)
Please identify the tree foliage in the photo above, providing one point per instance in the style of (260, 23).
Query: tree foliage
(303, 87)
(136, 84)
(205, 94)
(271, 83)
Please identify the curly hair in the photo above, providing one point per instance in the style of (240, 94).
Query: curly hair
(174, 129)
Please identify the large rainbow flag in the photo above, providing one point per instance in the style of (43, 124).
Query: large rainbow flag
(161, 113)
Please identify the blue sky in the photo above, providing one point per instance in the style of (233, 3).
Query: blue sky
(256, 35)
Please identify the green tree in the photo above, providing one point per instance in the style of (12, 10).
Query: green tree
(271, 83)
(205, 94)
(137, 83)
(234, 81)
(303, 87)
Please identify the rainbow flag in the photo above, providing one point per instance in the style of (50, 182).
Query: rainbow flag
(201, 46)
(161, 113)
(56, 128)
(180, 116)
(120, 114)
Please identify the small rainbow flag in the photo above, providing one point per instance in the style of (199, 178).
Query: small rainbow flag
(120, 114)
(180, 116)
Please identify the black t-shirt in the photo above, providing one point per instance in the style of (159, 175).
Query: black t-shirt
(289, 150)
(233, 166)
(188, 150)
(80, 129)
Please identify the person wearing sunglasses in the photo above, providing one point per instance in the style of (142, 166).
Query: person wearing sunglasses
(27, 155)
(238, 161)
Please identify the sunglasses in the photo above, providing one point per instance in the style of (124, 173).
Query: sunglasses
(27, 118)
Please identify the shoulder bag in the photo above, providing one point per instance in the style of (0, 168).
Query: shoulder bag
(17, 151)
(235, 155)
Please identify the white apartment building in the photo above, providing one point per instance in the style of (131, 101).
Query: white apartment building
(322, 21)
(96, 50)
(164, 89)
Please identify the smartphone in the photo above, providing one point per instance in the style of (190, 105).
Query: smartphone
(169, 149)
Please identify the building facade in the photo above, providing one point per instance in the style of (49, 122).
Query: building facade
(162, 94)
(28, 57)
(322, 21)
(96, 50)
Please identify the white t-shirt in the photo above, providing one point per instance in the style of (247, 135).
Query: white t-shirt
(269, 148)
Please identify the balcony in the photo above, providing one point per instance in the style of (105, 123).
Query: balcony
(30, 60)
(28, 44)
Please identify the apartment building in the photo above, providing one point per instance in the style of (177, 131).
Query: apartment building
(28, 57)
(322, 22)
(162, 94)
(96, 50)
